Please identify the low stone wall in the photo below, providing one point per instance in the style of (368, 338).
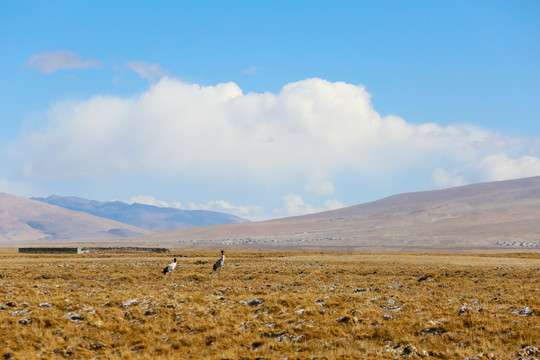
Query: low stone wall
(51, 250)
(86, 250)
(125, 249)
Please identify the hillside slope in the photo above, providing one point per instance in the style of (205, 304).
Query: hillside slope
(496, 214)
(23, 221)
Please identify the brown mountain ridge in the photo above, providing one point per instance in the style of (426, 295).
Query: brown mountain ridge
(24, 221)
(499, 215)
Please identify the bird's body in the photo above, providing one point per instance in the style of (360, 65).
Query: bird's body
(220, 262)
(169, 268)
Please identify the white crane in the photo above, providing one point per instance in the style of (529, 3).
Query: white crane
(220, 262)
(169, 268)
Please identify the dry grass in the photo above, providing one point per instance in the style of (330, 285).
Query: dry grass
(314, 305)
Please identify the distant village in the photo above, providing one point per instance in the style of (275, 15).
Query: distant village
(525, 244)
(248, 240)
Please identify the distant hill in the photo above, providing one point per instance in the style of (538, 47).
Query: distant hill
(497, 215)
(23, 220)
(145, 216)
(502, 215)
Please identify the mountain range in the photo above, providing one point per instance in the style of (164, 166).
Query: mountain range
(495, 215)
(57, 218)
(25, 221)
(149, 217)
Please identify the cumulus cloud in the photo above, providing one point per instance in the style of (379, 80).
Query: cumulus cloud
(52, 61)
(295, 205)
(292, 205)
(490, 168)
(150, 200)
(249, 212)
(150, 72)
(445, 179)
(311, 130)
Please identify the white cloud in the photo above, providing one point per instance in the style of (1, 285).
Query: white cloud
(150, 200)
(312, 130)
(295, 205)
(320, 187)
(332, 205)
(248, 212)
(52, 61)
(446, 179)
(500, 167)
(292, 205)
(150, 72)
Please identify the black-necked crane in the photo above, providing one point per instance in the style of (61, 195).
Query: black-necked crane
(220, 262)
(169, 268)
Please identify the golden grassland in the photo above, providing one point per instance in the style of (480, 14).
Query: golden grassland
(270, 305)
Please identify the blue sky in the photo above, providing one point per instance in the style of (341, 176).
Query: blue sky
(266, 108)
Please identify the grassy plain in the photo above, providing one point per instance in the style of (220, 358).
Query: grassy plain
(270, 305)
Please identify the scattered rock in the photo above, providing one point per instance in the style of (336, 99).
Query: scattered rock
(528, 351)
(296, 338)
(409, 351)
(387, 317)
(25, 321)
(129, 303)
(255, 302)
(11, 304)
(482, 356)
(273, 334)
(75, 317)
(19, 312)
(357, 290)
(463, 310)
(430, 331)
(45, 305)
(425, 278)
(525, 311)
